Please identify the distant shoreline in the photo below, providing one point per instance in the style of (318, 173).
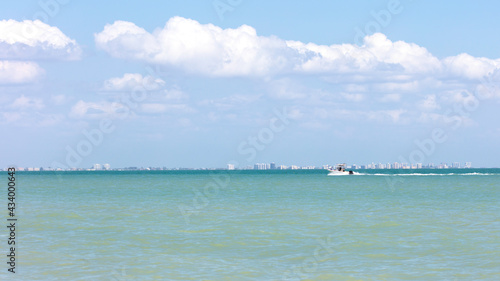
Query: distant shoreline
(230, 170)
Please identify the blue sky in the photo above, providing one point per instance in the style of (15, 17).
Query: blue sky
(206, 83)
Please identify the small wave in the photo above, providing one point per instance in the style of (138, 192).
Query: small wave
(478, 174)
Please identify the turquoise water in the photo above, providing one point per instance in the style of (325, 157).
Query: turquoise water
(257, 225)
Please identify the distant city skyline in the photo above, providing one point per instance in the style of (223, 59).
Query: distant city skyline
(197, 84)
(265, 166)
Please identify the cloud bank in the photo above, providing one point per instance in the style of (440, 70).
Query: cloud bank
(209, 50)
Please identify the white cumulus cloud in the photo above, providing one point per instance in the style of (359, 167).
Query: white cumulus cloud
(27, 103)
(15, 72)
(210, 50)
(35, 40)
(23, 42)
(467, 66)
(95, 110)
(133, 81)
(377, 53)
(195, 47)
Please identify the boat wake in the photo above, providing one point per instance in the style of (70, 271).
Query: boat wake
(428, 174)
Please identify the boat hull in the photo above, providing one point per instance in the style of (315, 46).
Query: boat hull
(337, 173)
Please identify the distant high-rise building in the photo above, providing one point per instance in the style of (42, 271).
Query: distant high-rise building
(230, 166)
(260, 166)
(97, 167)
(396, 165)
(455, 165)
(468, 165)
(272, 166)
(106, 166)
(442, 166)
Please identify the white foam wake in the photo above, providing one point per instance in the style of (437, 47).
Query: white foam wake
(430, 174)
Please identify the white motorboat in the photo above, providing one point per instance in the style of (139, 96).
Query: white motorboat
(339, 170)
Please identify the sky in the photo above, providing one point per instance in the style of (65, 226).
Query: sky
(206, 83)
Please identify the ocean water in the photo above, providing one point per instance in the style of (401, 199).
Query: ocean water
(256, 225)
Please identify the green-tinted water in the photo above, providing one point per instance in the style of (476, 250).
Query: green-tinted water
(258, 225)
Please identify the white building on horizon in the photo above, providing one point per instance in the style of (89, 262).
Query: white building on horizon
(260, 166)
